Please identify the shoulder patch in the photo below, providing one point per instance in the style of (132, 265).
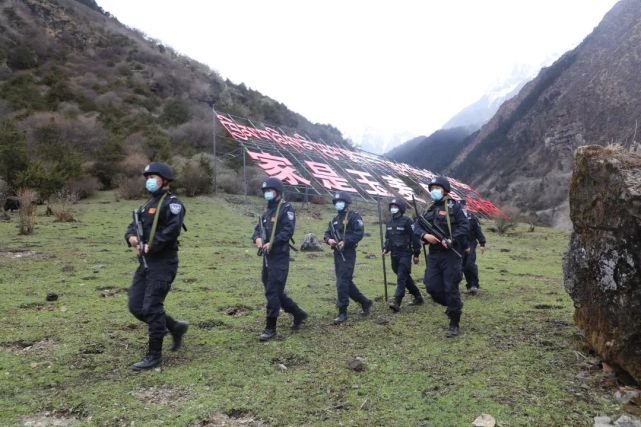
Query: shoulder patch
(290, 215)
(360, 222)
(175, 208)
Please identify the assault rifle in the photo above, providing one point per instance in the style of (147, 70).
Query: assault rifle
(263, 238)
(334, 235)
(434, 230)
(139, 235)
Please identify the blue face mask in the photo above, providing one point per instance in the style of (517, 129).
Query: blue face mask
(268, 195)
(152, 185)
(340, 206)
(436, 194)
(393, 211)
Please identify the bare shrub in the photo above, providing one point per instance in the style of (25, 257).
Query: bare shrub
(509, 221)
(229, 182)
(134, 164)
(4, 193)
(255, 177)
(27, 211)
(195, 178)
(84, 187)
(62, 206)
(131, 187)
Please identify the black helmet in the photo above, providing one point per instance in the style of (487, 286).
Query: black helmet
(273, 183)
(341, 195)
(159, 168)
(398, 202)
(440, 181)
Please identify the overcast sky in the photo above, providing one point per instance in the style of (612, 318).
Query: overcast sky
(391, 69)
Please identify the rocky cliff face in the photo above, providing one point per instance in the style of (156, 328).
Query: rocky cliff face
(602, 268)
(591, 95)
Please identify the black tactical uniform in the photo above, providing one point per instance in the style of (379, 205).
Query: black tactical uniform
(280, 214)
(349, 229)
(475, 236)
(402, 243)
(151, 284)
(443, 273)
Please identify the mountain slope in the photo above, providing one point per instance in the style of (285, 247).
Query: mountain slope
(73, 72)
(434, 152)
(591, 95)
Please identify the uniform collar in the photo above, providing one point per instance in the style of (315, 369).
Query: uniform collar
(273, 203)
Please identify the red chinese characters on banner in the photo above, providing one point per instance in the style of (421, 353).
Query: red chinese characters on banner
(402, 188)
(278, 167)
(375, 187)
(330, 179)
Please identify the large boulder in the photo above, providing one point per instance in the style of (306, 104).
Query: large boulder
(602, 268)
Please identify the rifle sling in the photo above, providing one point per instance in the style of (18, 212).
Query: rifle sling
(271, 238)
(154, 225)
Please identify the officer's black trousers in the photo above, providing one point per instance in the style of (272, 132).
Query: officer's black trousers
(470, 269)
(442, 279)
(345, 287)
(402, 266)
(147, 296)
(274, 279)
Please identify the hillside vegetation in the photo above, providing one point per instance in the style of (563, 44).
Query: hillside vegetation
(85, 101)
(519, 357)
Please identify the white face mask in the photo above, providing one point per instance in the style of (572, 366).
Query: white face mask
(340, 206)
(437, 194)
(393, 211)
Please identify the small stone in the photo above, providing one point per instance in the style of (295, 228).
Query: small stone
(484, 420)
(282, 367)
(356, 364)
(51, 296)
(626, 394)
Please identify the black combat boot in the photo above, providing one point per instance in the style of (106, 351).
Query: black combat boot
(342, 316)
(395, 305)
(269, 333)
(180, 329)
(299, 317)
(453, 329)
(153, 357)
(417, 300)
(474, 290)
(366, 306)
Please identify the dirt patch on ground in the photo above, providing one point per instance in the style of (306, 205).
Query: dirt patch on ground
(235, 419)
(161, 395)
(48, 419)
(237, 310)
(211, 324)
(17, 254)
(46, 345)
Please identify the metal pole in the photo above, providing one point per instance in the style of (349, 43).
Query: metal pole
(380, 229)
(214, 147)
(244, 175)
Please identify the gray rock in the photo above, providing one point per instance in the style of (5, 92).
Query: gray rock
(356, 364)
(311, 243)
(602, 422)
(602, 267)
(627, 421)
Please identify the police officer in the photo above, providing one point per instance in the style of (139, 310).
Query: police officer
(443, 273)
(475, 236)
(161, 220)
(344, 232)
(405, 247)
(271, 236)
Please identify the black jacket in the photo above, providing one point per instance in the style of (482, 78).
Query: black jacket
(170, 221)
(399, 237)
(350, 231)
(437, 215)
(284, 227)
(475, 234)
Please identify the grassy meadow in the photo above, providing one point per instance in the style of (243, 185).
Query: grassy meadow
(519, 357)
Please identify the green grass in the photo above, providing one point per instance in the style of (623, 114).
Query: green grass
(517, 358)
